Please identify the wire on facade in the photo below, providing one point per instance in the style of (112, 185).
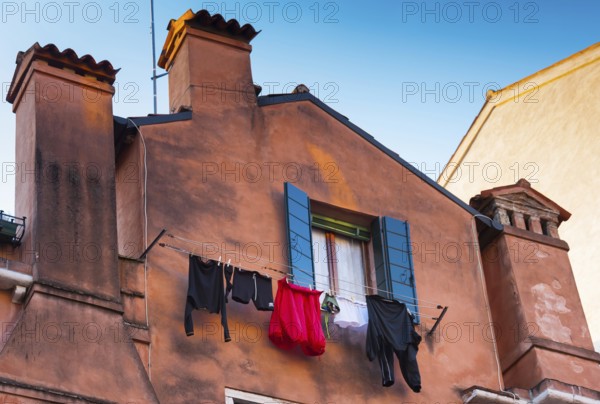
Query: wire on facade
(181, 250)
(420, 302)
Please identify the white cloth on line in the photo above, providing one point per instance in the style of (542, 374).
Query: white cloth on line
(352, 314)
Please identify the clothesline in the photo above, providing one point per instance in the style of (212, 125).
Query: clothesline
(200, 243)
(353, 293)
(431, 304)
(422, 303)
(437, 307)
(181, 250)
(285, 275)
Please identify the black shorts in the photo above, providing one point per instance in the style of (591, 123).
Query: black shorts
(251, 285)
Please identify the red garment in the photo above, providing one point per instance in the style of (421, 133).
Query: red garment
(296, 319)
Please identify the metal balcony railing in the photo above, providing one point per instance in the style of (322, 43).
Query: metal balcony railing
(12, 228)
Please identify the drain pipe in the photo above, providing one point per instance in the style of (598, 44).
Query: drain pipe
(17, 281)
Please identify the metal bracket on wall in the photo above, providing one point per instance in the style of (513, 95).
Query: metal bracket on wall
(437, 320)
(162, 233)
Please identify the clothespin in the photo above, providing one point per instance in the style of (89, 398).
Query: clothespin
(219, 260)
(352, 298)
(229, 262)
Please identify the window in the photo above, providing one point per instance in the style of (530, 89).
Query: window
(342, 250)
(241, 397)
(339, 263)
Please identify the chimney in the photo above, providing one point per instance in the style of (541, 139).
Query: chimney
(540, 326)
(208, 61)
(65, 154)
(72, 318)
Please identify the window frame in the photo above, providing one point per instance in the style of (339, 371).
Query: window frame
(332, 263)
(390, 258)
(341, 227)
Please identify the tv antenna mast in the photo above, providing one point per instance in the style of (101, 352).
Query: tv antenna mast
(154, 76)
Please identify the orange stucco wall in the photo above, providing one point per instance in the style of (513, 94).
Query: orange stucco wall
(549, 298)
(218, 179)
(532, 295)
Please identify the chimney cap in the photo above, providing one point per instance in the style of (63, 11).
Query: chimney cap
(203, 20)
(85, 65)
(301, 89)
(522, 186)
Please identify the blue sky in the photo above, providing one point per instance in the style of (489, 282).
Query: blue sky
(411, 73)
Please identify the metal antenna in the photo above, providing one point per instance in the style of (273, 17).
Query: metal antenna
(153, 54)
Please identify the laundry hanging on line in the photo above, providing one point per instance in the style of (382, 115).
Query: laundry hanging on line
(352, 313)
(251, 285)
(330, 307)
(296, 319)
(205, 291)
(342, 320)
(408, 300)
(391, 330)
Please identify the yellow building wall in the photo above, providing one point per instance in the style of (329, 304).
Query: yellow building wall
(545, 128)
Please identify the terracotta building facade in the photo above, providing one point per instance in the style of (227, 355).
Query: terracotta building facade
(95, 287)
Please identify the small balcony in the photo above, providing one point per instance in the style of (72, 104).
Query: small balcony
(12, 229)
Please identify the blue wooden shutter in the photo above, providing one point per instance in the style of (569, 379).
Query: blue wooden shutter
(394, 269)
(299, 231)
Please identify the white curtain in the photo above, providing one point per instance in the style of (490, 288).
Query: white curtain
(351, 268)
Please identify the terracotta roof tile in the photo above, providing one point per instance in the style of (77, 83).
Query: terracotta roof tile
(85, 65)
(216, 23)
(203, 20)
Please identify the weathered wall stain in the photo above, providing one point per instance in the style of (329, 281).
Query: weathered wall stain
(548, 306)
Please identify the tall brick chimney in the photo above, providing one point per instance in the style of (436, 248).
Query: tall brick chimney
(208, 60)
(65, 155)
(72, 319)
(541, 329)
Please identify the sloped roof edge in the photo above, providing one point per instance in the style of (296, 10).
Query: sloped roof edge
(288, 98)
(547, 75)
(126, 127)
(550, 73)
